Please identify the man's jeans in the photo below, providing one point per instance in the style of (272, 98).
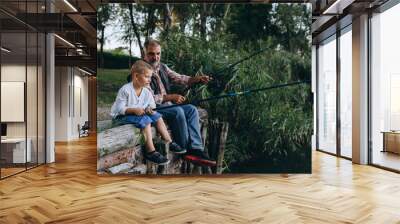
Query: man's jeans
(184, 123)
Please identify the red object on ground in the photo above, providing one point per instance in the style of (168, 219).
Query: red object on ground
(199, 161)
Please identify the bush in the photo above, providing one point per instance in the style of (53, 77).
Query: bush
(116, 61)
(270, 130)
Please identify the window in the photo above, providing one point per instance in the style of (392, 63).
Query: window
(385, 88)
(22, 75)
(346, 92)
(327, 95)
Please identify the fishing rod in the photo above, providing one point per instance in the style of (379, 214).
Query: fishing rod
(230, 66)
(232, 94)
(240, 61)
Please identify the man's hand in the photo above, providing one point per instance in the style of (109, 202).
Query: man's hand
(199, 79)
(175, 98)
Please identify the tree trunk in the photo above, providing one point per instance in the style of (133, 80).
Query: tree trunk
(150, 25)
(182, 25)
(288, 37)
(203, 21)
(130, 52)
(167, 17)
(120, 151)
(135, 30)
(101, 48)
(223, 25)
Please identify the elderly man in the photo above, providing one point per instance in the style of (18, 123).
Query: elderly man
(184, 119)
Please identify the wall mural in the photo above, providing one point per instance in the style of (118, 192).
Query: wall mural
(204, 88)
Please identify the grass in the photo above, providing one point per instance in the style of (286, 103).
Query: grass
(109, 81)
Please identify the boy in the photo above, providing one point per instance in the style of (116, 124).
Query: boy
(133, 105)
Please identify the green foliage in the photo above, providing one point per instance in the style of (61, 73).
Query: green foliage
(272, 124)
(251, 22)
(269, 131)
(294, 30)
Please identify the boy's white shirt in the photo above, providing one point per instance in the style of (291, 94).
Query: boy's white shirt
(127, 98)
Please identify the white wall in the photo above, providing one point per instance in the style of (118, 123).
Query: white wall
(61, 103)
(80, 109)
(71, 102)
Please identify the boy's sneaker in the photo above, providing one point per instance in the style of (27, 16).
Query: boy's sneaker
(200, 157)
(175, 148)
(156, 157)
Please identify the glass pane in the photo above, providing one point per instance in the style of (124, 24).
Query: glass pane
(346, 94)
(41, 99)
(327, 96)
(13, 86)
(386, 89)
(31, 101)
(23, 79)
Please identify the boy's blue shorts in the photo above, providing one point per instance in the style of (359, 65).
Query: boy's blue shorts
(138, 121)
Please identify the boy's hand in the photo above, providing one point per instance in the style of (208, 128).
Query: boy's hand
(135, 111)
(149, 111)
(139, 111)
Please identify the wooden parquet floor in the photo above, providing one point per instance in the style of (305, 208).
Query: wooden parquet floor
(70, 191)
